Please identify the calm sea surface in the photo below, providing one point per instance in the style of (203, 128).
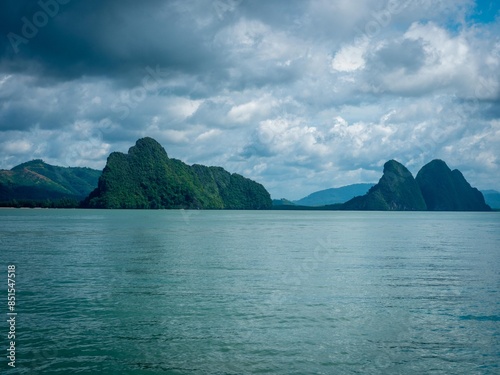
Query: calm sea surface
(248, 292)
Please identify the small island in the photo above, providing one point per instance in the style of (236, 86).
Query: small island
(146, 178)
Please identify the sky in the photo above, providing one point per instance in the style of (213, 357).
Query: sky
(299, 95)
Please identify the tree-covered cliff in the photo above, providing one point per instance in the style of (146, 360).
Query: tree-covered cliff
(396, 191)
(147, 178)
(447, 190)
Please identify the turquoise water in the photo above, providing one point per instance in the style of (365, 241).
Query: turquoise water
(247, 292)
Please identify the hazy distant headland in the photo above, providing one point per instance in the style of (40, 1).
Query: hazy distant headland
(146, 178)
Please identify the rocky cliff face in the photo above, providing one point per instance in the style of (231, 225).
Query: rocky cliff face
(447, 190)
(147, 178)
(397, 190)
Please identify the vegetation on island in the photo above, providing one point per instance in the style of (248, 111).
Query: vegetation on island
(38, 184)
(436, 188)
(146, 178)
(397, 190)
(447, 190)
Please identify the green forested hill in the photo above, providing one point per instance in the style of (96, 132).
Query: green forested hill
(447, 190)
(36, 181)
(436, 188)
(396, 190)
(147, 178)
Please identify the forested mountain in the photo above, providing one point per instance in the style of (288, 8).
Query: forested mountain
(396, 191)
(447, 190)
(147, 178)
(436, 188)
(39, 183)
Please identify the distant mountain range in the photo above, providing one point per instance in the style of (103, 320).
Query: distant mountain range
(492, 198)
(334, 195)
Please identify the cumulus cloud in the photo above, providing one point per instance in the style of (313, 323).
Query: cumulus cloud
(299, 96)
(350, 58)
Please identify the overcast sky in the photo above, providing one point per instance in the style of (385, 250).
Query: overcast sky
(298, 95)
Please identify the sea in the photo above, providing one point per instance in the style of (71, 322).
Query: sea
(249, 292)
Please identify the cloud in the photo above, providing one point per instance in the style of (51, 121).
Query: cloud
(300, 96)
(407, 56)
(259, 108)
(350, 58)
(16, 147)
